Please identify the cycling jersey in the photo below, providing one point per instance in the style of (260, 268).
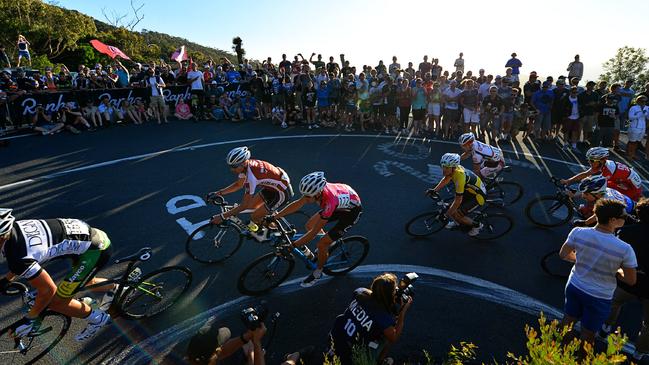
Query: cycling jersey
(616, 195)
(622, 178)
(264, 174)
(34, 242)
(466, 182)
(337, 197)
(482, 152)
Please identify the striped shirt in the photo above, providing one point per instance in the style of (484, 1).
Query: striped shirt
(599, 256)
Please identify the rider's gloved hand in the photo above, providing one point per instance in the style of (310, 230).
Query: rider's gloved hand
(211, 196)
(26, 325)
(579, 223)
(269, 218)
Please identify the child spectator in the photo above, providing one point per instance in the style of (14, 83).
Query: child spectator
(183, 112)
(109, 113)
(249, 108)
(141, 110)
(129, 113)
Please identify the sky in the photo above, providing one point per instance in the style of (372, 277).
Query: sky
(546, 34)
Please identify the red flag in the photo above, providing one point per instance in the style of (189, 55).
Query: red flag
(111, 51)
(180, 55)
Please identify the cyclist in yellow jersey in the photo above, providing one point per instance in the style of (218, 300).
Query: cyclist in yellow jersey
(470, 192)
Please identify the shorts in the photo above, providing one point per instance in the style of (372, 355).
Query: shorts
(588, 123)
(86, 265)
(572, 125)
(434, 109)
(617, 124)
(376, 110)
(635, 134)
(364, 106)
(489, 169)
(469, 203)
(24, 54)
(275, 199)
(158, 101)
(507, 117)
(543, 121)
(451, 115)
(389, 110)
(345, 219)
(418, 114)
(471, 116)
(591, 311)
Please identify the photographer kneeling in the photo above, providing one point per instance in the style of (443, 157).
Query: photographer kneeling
(373, 319)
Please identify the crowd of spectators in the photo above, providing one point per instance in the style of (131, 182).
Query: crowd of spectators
(426, 101)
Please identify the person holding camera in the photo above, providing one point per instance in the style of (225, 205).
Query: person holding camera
(375, 318)
(43, 122)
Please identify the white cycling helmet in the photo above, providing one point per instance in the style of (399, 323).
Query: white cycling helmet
(466, 138)
(597, 153)
(237, 156)
(450, 160)
(595, 184)
(313, 183)
(6, 221)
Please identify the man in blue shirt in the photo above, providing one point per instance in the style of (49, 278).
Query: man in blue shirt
(515, 64)
(542, 100)
(625, 93)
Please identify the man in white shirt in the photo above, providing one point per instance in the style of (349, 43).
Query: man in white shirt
(157, 102)
(600, 259)
(638, 117)
(196, 80)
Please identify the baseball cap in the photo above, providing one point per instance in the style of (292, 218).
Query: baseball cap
(533, 73)
(498, 77)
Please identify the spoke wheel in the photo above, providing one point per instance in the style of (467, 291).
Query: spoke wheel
(155, 292)
(426, 224)
(548, 211)
(37, 345)
(348, 253)
(553, 265)
(495, 225)
(213, 243)
(264, 274)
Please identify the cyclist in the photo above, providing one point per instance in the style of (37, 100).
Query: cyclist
(593, 188)
(338, 202)
(274, 189)
(27, 244)
(620, 176)
(487, 160)
(470, 192)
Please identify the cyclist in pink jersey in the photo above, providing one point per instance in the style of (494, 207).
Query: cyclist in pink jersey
(338, 202)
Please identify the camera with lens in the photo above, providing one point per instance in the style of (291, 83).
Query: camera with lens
(253, 317)
(405, 290)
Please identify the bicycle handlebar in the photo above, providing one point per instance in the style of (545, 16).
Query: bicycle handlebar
(215, 199)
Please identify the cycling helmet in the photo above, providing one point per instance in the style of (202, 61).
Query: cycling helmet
(313, 183)
(466, 138)
(595, 184)
(597, 153)
(450, 160)
(238, 156)
(6, 221)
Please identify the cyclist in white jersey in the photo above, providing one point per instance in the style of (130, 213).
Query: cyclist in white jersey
(27, 244)
(487, 160)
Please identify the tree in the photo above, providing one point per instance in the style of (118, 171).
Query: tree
(237, 46)
(628, 63)
(119, 20)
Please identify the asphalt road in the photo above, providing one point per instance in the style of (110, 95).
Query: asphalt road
(123, 179)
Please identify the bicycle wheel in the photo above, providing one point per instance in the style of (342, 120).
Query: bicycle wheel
(495, 225)
(548, 211)
(426, 224)
(155, 292)
(553, 265)
(36, 345)
(348, 253)
(213, 243)
(508, 191)
(264, 274)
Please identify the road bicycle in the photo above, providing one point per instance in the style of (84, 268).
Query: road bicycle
(495, 224)
(553, 265)
(553, 210)
(215, 243)
(137, 296)
(270, 270)
(503, 193)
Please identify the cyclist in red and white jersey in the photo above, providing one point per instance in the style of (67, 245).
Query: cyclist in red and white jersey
(619, 176)
(267, 188)
(338, 202)
(487, 160)
(593, 188)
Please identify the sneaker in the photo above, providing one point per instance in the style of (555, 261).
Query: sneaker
(97, 320)
(476, 230)
(310, 280)
(638, 356)
(605, 330)
(451, 224)
(284, 125)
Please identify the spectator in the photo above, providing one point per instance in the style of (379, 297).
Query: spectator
(25, 83)
(560, 111)
(409, 72)
(434, 99)
(638, 117)
(249, 108)
(285, 64)
(607, 116)
(450, 99)
(425, 66)
(43, 122)
(129, 112)
(72, 119)
(141, 110)
(23, 50)
(195, 79)
(331, 65)
(108, 112)
(588, 107)
(572, 108)
(599, 258)
(602, 89)
(626, 94)
(50, 81)
(91, 113)
(470, 103)
(575, 69)
(63, 81)
(363, 89)
(394, 68)
(183, 112)
(123, 76)
(213, 345)
(542, 100)
(4, 59)
(492, 108)
(515, 64)
(419, 107)
(459, 63)
(155, 83)
(279, 116)
(483, 89)
(531, 87)
(309, 98)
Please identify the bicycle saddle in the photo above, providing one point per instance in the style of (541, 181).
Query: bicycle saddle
(142, 255)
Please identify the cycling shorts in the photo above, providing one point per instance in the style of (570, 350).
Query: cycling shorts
(275, 199)
(344, 219)
(469, 203)
(86, 265)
